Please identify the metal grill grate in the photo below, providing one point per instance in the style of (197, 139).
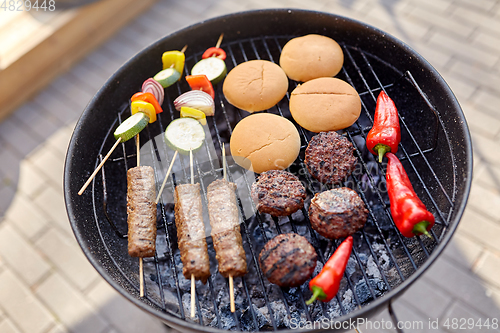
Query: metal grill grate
(381, 259)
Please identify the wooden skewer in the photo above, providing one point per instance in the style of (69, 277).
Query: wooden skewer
(219, 41)
(231, 293)
(99, 167)
(141, 277)
(231, 282)
(138, 150)
(166, 177)
(193, 286)
(191, 165)
(193, 295)
(141, 264)
(184, 48)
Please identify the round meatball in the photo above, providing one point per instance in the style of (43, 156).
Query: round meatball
(337, 213)
(288, 260)
(330, 157)
(278, 193)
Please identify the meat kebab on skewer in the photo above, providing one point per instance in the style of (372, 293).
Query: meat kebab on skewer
(226, 235)
(191, 233)
(141, 214)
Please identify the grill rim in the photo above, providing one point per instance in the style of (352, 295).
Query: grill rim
(73, 205)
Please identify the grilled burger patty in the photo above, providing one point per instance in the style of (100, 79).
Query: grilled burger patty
(141, 211)
(288, 260)
(329, 157)
(225, 222)
(337, 213)
(278, 193)
(191, 232)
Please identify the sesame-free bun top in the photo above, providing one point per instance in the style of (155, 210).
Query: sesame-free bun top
(310, 57)
(325, 104)
(255, 85)
(265, 141)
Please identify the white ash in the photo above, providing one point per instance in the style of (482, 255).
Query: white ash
(351, 267)
(348, 301)
(280, 314)
(383, 257)
(372, 268)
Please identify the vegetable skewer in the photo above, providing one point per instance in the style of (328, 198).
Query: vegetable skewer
(147, 104)
(132, 126)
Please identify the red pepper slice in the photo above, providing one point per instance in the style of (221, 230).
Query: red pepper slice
(214, 52)
(385, 134)
(408, 211)
(201, 82)
(147, 97)
(325, 285)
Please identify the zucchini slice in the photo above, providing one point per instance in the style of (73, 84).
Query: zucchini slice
(214, 68)
(132, 126)
(183, 134)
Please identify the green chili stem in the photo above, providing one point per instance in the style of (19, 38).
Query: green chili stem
(317, 291)
(421, 228)
(381, 149)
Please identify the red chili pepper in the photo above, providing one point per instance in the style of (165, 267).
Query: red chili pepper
(201, 82)
(407, 210)
(385, 134)
(326, 284)
(214, 52)
(147, 97)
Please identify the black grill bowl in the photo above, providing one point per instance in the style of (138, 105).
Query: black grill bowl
(436, 151)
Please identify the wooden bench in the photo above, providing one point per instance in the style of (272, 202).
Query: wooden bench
(39, 45)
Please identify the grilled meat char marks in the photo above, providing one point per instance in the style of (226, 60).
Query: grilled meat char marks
(191, 232)
(141, 211)
(329, 157)
(337, 213)
(278, 193)
(226, 235)
(288, 260)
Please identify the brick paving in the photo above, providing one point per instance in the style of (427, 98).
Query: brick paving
(48, 286)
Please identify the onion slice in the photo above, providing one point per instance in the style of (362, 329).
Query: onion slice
(152, 86)
(196, 99)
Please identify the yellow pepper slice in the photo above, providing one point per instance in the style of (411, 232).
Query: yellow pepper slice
(187, 112)
(145, 107)
(174, 59)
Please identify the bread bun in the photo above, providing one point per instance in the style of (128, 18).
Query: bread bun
(311, 56)
(265, 141)
(325, 104)
(255, 85)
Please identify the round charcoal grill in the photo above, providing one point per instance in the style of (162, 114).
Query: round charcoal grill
(435, 151)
